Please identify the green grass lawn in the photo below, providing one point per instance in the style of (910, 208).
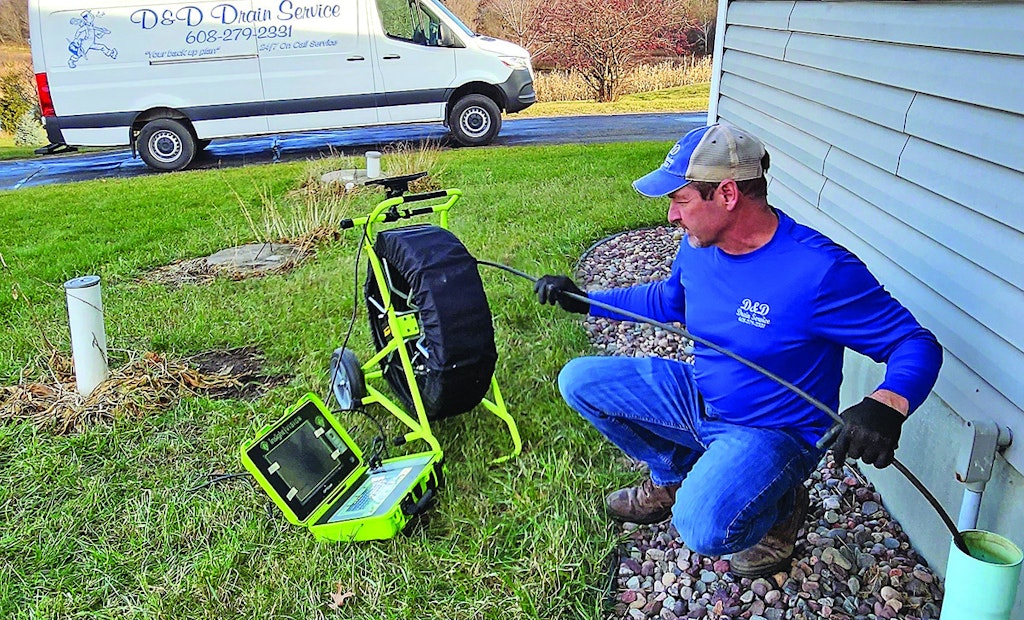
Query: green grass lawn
(100, 524)
(9, 151)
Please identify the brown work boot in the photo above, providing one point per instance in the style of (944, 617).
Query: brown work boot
(646, 503)
(775, 549)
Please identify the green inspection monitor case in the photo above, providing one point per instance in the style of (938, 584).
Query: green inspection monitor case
(310, 467)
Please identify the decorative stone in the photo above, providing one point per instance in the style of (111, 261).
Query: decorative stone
(854, 584)
(652, 608)
(647, 568)
(866, 561)
(760, 587)
(632, 565)
(639, 602)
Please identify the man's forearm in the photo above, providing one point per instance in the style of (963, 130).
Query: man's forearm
(894, 400)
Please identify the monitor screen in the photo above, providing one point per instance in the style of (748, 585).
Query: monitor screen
(304, 460)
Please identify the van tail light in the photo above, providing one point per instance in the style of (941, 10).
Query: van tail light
(45, 101)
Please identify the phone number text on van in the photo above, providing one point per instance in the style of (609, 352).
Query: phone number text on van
(228, 14)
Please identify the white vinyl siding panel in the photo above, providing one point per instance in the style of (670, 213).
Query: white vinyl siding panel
(803, 181)
(975, 184)
(761, 14)
(770, 43)
(936, 216)
(981, 79)
(987, 134)
(895, 129)
(854, 135)
(802, 147)
(882, 105)
(987, 28)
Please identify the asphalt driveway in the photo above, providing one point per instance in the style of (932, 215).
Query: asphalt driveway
(286, 147)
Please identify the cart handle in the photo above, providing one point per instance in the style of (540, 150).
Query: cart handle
(387, 210)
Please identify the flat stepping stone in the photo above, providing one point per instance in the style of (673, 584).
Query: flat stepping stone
(256, 257)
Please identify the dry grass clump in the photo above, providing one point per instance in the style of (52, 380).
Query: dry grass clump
(143, 384)
(669, 74)
(309, 215)
(569, 85)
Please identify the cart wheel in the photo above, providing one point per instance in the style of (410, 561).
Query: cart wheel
(431, 275)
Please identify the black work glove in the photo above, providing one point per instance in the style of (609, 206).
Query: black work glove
(550, 290)
(871, 433)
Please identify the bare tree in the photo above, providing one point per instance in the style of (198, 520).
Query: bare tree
(13, 22)
(519, 21)
(466, 10)
(701, 15)
(603, 39)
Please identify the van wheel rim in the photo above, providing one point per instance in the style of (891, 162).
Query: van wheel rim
(165, 146)
(475, 121)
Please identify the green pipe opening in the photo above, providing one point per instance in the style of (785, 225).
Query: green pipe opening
(982, 585)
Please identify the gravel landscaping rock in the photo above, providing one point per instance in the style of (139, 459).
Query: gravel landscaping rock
(852, 562)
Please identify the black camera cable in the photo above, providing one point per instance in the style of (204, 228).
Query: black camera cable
(826, 439)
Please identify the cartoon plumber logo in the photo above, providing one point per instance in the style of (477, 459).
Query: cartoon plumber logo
(87, 38)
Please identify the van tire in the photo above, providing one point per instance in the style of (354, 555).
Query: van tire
(474, 120)
(166, 144)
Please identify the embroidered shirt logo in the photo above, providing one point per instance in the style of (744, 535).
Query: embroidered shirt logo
(753, 313)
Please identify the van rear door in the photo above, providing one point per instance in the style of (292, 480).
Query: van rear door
(416, 69)
(317, 65)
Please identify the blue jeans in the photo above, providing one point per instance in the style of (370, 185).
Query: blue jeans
(734, 478)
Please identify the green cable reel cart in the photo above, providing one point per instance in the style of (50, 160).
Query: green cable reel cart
(434, 340)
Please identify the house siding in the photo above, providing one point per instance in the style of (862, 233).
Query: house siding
(895, 128)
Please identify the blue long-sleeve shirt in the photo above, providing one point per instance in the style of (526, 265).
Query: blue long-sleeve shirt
(790, 306)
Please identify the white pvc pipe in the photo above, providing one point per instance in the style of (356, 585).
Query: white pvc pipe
(969, 508)
(372, 164)
(88, 336)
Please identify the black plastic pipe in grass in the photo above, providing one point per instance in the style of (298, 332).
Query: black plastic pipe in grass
(822, 443)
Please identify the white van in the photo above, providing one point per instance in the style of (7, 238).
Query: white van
(166, 78)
